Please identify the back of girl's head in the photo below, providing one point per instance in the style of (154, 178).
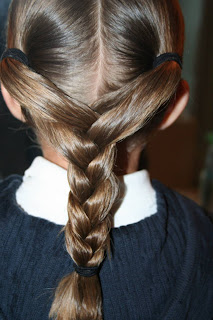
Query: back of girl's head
(90, 85)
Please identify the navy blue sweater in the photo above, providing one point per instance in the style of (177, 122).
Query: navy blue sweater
(162, 266)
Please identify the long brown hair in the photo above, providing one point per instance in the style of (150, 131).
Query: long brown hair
(91, 86)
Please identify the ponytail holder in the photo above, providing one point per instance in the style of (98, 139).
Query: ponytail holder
(16, 54)
(86, 271)
(167, 57)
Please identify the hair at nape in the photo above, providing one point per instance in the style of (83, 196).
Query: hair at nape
(91, 85)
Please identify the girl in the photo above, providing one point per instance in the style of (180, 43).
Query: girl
(87, 75)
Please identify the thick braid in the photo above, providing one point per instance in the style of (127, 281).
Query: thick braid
(90, 174)
(94, 190)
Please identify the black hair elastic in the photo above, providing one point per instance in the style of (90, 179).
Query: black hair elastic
(86, 271)
(167, 57)
(17, 55)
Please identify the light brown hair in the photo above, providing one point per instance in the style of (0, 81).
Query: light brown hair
(91, 86)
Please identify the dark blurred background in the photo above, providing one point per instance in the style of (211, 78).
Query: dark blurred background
(175, 156)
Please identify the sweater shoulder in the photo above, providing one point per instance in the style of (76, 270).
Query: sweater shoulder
(191, 218)
(179, 204)
(10, 183)
(8, 188)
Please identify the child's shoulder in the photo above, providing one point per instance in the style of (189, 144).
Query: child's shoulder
(8, 205)
(10, 183)
(8, 187)
(194, 221)
(180, 203)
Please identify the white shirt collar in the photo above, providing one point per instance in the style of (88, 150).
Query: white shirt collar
(44, 194)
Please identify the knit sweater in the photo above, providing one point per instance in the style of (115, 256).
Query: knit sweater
(161, 266)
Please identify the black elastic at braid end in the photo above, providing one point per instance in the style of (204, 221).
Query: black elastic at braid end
(17, 55)
(167, 57)
(86, 271)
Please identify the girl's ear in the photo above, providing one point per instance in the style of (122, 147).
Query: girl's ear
(177, 107)
(12, 104)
